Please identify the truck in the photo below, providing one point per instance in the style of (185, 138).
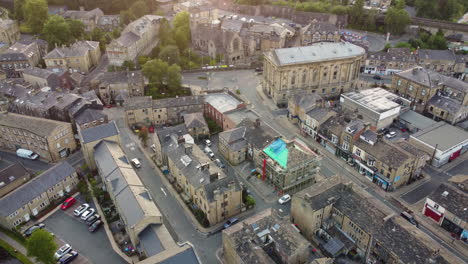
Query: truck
(26, 154)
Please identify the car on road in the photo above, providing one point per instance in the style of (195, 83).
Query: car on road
(377, 77)
(26, 154)
(230, 222)
(219, 163)
(68, 202)
(62, 251)
(92, 219)
(207, 150)
(33, 228)
(136, 163)
(284, 199)
(390, 134)
(81, 209)
(95, 226)
(87, 214)
(409, 218)
(153, 148)
(208, 142)
(69, 257)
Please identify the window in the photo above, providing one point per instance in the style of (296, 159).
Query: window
(293, 78)
(358, 152)
(399, 82)
(58, 145)
(410, 88)
(423, 92)
(371, 162)
(334, 139)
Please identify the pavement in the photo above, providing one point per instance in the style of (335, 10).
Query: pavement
(17, 246)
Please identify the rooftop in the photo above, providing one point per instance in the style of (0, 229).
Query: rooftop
(99, 132)
(89, 115)
(35, 187)
(79, 48)
(441, 136)
(376, 99)
(453, 200)
(12, 173)
(38, 72)
(432, 79)
(222, 102)
(195, 120)
(120, 77)
(39, 126)
(288, 154)
(307, 101)
(317, 52)
(417, 120)
(320, 114)
(138, 102)
(384, 151)
(429, 54)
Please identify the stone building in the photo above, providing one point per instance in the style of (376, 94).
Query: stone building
(28, 200)
(137, 39)
(13, 64)
(434, 94)
(89, 118)
(51, 140)
(442, 61)
(13, 176)
(328, 69)
(345, 218)
(89, 18)
(9, 31)
(217, 105)
(266, 238)
(42, 78)
(79, 57)
(125, 83)
(196, 125)
(218, 195)
(289, 165)
(390, 62)
(108, 23)
(300, 104)
(90, 137)
(319, 32)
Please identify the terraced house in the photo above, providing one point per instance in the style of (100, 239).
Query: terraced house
(52, 140)
(31, 198)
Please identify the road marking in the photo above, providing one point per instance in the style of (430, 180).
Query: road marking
(165, 194)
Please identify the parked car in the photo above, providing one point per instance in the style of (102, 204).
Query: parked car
(68, 202)
(220, 164)
(69, 257)
(92, 219)
(284, 199)
(377, 77)
(87, 214)
(62, 251)
(153, 148)
(230, 222)
(409, 218)
(211, 155)
(136, 163)
(208, 142)
(391, 134)
(81, 209)
(33, 228)
(95, 226)
(207, 150)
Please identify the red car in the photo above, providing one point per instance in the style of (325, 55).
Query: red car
(68, 202)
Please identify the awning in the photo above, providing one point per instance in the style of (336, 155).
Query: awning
(432, 213)
(364, 166)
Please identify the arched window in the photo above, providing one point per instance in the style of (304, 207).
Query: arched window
(304, 76)
(293, 78)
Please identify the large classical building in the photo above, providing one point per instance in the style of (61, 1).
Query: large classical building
(137, 39)
(326, 68)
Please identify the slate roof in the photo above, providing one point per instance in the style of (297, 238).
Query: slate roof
(428, 54)
(320, 114)
(13, 172)
(35, 187)
(195, 120)
(187, 256)
(121, 77)
(450, 105)
(222, 185)
(6, 57)
(127, 39)
(38, 72)
(150, 242)
(232, 25)
(89, 115)
(321, 27)
(307, 101)
(138, 102)
(39, 126)
(78, 49)
(456, 202)
(99, 132)
(180, 101)
(384, 152)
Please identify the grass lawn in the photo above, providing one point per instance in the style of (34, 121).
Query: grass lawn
(14, 254)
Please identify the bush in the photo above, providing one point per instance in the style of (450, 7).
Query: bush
(249, 201)
(213, 127)
(201, 217)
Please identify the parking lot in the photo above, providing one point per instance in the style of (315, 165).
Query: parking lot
(92, 247)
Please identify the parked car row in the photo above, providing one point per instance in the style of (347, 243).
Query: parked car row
(87, 214)
(65, 254)
(210, 154)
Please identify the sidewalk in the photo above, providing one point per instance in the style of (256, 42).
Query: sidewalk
(16, 245)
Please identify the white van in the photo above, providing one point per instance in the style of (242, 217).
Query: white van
(26, 154)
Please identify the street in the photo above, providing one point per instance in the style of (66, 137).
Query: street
(7, 158)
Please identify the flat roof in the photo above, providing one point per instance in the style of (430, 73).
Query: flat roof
(377, 99)
(222, 102)
(417, 120)
(316, 52)
(442, 135)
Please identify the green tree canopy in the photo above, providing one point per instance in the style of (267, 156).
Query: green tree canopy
(138, 9)
(155, 70)
(35, 13)
(18, 9)
(165, 33)
(174, 79)
(77, 28)
(441, 9)
(56, 31)
(170, 53)
(397, 18)
(41, 245)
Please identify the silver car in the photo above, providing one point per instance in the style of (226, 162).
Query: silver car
(87, 214)
(81, 209)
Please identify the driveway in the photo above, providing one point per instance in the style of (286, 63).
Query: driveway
(93, 246)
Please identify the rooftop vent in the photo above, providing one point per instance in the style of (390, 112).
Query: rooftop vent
(186, 160)
(445, 194)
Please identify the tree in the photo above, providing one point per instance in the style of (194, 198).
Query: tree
(41, 245)
(143, 135)
(402, 45)
(77, 28)
(170, 54)
(138, 9)
(182, 38)
(56, 31)
(18, 9)
(396, 20)
(35, 12)
(96, 34)
(128, 65)
(165, 33)
(155, 71)
(356, 11)
(182, 19)
(174, 79)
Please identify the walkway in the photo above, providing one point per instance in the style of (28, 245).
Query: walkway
(15, 245)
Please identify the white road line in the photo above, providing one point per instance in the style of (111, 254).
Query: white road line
(165, 194)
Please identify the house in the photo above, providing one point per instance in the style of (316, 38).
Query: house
(314, 119)
(442, 61)
(90, 118)
(267, 238)
(162, 139)
(42, 78)
(137, 39)
(443, 141)
(300, 104)
(10, 32)
(108, 23)
(132, 200)
(447, 206)
(89, 18)
(326, 68)
(351, 220)
(217, 195)
(51, 140)
(20, 56)
(112, 84)
(79, 57)
(11, 177)
(389, 62)
(289, 165)
(12, 64)
(28, 200)
(319, 32)
(90, 137)
(196, 125)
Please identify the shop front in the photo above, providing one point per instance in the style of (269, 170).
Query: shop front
(364, 170)
(382, 181)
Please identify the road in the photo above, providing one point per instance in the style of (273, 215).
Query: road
(386, 79)
(32, 165)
